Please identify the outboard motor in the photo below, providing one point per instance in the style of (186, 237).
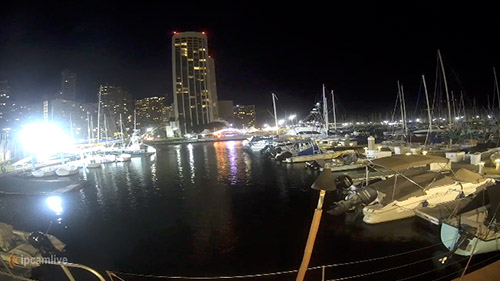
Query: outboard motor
(363, 196)
(42, 242)
(283, 155)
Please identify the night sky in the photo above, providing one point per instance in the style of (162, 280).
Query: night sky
(359, 50)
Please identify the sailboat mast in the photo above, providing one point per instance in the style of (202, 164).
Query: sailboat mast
(401, 107)
(429, 117)
(404, 110)
(91, 127)
(98, 115)
(105, 126)
(135, 120)
(334, 113)
(88, 127)
(275, 116)
(445, 88)
(121, 128)
(496, 87)
(325, 108)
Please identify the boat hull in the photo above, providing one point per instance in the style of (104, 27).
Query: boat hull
(450, 236)
(397, 210)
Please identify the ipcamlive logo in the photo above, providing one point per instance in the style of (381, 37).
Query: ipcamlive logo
(23, 261)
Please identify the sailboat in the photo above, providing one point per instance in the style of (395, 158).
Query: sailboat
(45, 172)
(475, 228)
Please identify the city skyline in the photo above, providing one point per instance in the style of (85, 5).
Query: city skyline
(356, 51)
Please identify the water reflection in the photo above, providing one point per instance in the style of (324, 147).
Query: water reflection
(200, 208)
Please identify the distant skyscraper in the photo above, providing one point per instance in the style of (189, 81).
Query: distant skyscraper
(5, 102)
(193, 74)
(244, 116)
(114, 101)
(150, 112)
(68, 87)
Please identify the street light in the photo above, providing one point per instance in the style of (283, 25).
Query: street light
(281, 122)
(291, 117)
(326, 181)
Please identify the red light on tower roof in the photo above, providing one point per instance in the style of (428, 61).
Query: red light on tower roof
(175, 32)
(203, 32)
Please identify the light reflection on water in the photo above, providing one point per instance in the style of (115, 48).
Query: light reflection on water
(195, 209)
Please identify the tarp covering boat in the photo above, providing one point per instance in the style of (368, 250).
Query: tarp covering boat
(403, 162)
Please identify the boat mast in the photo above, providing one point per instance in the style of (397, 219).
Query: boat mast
(135, 121)
(275, 116)
(428, 105)
(98, 115)
(496, 87)
(325, 108)
(401, 107)
(404, 109)
(334, 114)
(445, 88)
(88, 127)
(121, 128)
(105, 126)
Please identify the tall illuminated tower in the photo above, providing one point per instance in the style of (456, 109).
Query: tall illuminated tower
(193, 76)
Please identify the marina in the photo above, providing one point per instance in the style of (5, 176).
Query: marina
(182, 140)
(166, 194)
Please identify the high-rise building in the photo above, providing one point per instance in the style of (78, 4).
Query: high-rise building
(68, 87)
(193, 74)
(150, 112)
(212, 86)
(5, 102)
(114, 101)
(244, 116)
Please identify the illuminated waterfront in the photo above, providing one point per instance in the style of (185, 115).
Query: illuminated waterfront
(206, 209)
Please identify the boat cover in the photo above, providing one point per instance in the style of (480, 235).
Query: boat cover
(402, 162)
(405, 189)
(6, 236)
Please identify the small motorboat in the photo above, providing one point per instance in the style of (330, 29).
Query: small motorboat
(474, 228)
(67, 170)
(17, 247)
(410, 188)
(45, 172)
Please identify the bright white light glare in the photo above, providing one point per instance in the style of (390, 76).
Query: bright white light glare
(44, 139)
(292, 117)
(55, 204)
(281, 122)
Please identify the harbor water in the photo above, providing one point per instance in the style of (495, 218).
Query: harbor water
(212, 209)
